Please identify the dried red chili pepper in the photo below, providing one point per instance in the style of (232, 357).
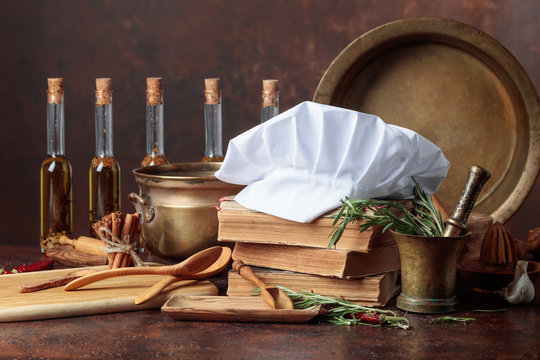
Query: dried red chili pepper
(46, 264)
(369, 318)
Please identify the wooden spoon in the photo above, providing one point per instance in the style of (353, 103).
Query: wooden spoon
(190, 266)
(210, 271)
(273, 296)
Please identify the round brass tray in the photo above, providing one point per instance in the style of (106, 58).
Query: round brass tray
(456, 86)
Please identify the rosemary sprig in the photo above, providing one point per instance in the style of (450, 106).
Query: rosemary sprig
(442, 319)
(343, 312)
(423, 220)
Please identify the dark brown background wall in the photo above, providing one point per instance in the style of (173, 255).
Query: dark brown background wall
(241, 41)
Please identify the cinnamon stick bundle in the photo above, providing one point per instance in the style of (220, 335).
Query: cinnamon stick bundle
(124, 231)
(117, 218)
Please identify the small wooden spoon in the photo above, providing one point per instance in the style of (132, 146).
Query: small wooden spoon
(190, 266)
(273, 296)
(212, 270)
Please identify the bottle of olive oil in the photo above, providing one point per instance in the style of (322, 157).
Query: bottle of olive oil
(55, 176)
(155, 149)
(270, 100)
(212, 121)
(104, 174)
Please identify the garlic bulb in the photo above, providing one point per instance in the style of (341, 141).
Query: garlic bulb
(521, 290)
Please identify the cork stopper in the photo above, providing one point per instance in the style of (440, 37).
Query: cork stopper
(153, 84)
(212, 91)
(154, 91)
(270, 92)
(55, 90)
(103, 84)
(270, 85)
(103, 91)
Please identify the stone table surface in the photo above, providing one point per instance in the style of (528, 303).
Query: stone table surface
(512, 334)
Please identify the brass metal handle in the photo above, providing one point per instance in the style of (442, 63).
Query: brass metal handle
(457, 223)
(146, 211)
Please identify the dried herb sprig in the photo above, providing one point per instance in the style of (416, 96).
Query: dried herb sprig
(343, 312)
(424, 219)
(442, 319)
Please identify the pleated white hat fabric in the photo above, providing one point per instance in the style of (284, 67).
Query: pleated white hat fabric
(301, 163)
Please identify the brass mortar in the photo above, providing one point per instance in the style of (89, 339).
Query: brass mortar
(177, 203)
(428, 272)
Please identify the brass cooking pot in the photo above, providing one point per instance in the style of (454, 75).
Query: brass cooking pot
(177, 203)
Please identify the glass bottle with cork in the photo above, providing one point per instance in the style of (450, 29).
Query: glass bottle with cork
(270, 99)
(56, 174)
(212, 121)
(104, 174)
(155, 150)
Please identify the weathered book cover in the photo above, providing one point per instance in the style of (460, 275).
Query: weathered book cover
(316, 261)
(238, 224)
(375, 290)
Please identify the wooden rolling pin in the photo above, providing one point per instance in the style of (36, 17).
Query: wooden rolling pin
(84, 244)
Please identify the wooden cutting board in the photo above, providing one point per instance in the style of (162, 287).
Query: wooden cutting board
(111, 295)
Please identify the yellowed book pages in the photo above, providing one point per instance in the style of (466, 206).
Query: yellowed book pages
(374, 290)
(315, 261)
(238, 224)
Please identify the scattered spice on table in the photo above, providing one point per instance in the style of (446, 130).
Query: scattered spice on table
(442, 319)
(340, 311)
(46, 264)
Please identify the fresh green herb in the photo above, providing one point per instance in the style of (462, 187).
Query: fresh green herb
(490, 311)
(442, 319)
(343, 312)
(424, 219)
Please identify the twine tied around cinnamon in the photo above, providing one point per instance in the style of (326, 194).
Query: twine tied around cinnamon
(120, 246)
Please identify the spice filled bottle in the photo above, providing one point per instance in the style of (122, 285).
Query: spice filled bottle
(155, 150)
(212, 121)
(55, 176)
(104, 174)
(270, 100)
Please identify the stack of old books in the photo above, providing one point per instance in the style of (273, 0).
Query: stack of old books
(362, 267)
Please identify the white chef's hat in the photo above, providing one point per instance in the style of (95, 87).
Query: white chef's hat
(301, 163)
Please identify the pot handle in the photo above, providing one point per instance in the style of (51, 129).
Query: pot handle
(146, 211)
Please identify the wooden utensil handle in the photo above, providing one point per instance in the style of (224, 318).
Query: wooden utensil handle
(155, 289)
(247, 273)
(47, 284)
(158, 287)
(105, 274)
